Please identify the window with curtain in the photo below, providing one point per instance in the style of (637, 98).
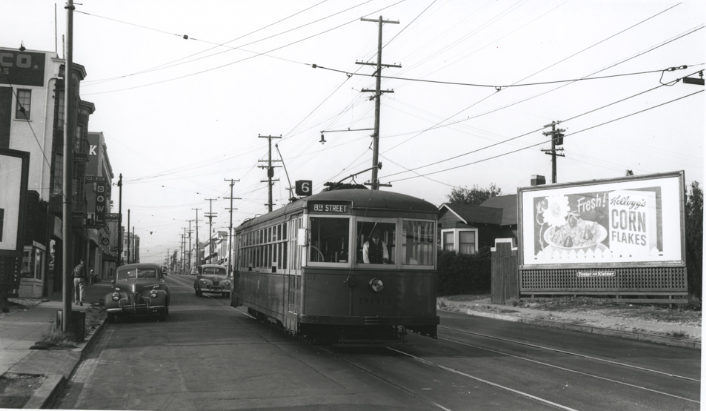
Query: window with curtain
(467, 242)
(448, 241)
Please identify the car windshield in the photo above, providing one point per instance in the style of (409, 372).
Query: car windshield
(137, 273)
(214, 270)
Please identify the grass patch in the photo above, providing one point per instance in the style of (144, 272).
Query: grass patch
(57, 339)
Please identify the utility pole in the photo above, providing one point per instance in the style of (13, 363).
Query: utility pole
(197, 257)
(69, 133)
(557, 140)
(210, 216)
(231, 267)
(120, 221)
(188, 267)
(128, 236)
(181, 268)
(374, 183)
(270, 170)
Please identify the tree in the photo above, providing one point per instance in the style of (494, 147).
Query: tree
(694, 210)
(473, 196)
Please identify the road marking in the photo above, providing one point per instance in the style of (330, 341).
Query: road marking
(502, 387)
(570, 370)
(572, 353)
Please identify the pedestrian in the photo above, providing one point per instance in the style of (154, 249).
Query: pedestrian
(79, 283)
(91, 277)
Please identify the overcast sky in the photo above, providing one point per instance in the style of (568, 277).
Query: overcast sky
(182, 115)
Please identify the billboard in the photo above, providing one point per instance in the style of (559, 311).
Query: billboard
(14, 171)
(635, 220)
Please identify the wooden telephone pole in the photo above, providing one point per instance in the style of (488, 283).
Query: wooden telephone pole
(231, 267)
(557, 140)
(270, 170)
(374, 183)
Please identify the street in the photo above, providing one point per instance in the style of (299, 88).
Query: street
(208, 355)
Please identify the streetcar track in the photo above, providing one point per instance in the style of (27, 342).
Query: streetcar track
(569, 370)
(510, 340)
(502, 387)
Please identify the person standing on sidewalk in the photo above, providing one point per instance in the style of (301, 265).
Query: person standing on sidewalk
(79, 283)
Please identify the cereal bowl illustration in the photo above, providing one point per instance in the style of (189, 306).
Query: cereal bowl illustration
(576, 234)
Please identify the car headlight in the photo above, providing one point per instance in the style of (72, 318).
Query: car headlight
(376, 285)
(153, 294)
(226, 282)
(202, 281)
(115, 296)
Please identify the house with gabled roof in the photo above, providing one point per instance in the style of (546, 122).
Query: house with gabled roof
(466, 228)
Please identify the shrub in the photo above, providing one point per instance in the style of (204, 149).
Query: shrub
(462, 273)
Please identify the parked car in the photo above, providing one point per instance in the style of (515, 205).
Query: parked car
(213, 278)
(138, 289)
(194, 271)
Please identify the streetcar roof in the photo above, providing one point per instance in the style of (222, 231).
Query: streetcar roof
(360, 199)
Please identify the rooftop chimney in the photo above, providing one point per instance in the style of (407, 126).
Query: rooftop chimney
(537, 180)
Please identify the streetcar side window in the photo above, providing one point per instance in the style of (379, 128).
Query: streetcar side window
(376, 242)
(417, 242)
(329, 240)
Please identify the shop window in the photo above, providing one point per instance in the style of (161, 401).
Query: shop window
(329, 240)
(33, 263)
(24, 104)
(376, 242)
(417, 242)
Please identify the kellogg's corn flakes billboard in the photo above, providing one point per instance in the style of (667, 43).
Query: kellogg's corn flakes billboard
(635, 220)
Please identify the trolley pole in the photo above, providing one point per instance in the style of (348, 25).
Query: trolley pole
(374, 183)
(557, 140)
(270, 170)
(231, 267)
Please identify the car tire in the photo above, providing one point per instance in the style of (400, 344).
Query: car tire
(112, 318)
(198, 292)
(163, 315)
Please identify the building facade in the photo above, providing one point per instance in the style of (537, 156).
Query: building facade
(32, 120)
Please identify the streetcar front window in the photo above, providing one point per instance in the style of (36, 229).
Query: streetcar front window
(376, 242)
(329, 240)
(417, 242)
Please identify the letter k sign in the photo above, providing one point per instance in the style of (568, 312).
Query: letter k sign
(92, 150)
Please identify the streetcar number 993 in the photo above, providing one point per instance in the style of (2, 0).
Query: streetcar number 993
(375, 301)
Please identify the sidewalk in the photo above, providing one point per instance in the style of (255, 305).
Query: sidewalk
(20, 330)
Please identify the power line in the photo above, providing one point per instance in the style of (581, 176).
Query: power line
(543, 142)
(534, 131)
(241, 60)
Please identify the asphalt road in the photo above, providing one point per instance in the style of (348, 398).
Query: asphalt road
(208, 355)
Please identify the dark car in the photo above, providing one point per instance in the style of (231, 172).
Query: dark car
(213, 278)
(138, 289)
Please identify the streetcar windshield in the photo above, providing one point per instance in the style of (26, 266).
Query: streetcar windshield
(376, 242)
(417, 242)
(213, 270)
(329, 240)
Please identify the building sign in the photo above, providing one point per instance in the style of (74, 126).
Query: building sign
(95, 179)
(330, 207)
(629, 220)
(14, 171)
(21, 68)
(112, 216)
(93, 164)
(101, 202)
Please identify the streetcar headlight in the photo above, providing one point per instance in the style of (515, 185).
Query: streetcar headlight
(115, 296)
(376, 285)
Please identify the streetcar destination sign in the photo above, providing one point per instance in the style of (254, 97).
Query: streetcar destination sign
(333, 208)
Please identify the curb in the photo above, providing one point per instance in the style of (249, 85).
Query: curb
(46, 394)
(658, 339)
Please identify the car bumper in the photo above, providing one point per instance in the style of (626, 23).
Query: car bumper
(218, 290)
(137, 309)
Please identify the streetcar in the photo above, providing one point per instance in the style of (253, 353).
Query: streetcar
(347, 266)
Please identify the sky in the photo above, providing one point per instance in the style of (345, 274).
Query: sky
(184, 91)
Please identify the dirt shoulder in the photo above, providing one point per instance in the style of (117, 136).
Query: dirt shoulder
(678, 322)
